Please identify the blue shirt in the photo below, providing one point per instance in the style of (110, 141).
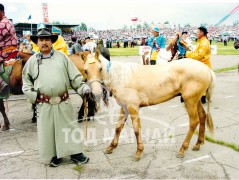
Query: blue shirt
(181, 49)
(160, 40)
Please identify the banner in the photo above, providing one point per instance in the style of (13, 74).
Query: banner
(45, 13)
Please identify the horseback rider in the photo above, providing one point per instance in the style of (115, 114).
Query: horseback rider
(156, 42)
(8, 43)
(60, 44)
(183, 45)
(34, 48)
(28, 43)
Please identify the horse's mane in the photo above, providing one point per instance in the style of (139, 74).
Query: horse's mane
(119, 73)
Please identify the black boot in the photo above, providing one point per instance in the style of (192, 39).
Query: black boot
(55, 162)
(4, 87)
(79, 158)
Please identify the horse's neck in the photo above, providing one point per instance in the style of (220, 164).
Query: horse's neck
(118, 74)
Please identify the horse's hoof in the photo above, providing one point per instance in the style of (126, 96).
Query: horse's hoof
(109, 150)
(196, 147)
(5, 127)
(180, 155)
(136, 157)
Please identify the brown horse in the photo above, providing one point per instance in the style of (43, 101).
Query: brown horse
(171, 49)
(135, 86)
(15, 82)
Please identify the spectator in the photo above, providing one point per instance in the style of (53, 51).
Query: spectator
(76, 46)
(132, 42)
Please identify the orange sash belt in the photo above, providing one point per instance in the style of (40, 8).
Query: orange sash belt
(10, 48)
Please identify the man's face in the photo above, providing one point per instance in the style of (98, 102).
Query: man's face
(184, 36)
(155, 34)
(44, 44)
(28, 37)
(200, 34)
(87, 40)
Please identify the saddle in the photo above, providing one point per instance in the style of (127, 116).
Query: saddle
(6, 69)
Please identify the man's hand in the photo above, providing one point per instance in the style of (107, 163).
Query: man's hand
(86, 89)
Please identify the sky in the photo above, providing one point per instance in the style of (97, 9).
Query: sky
(113, 14)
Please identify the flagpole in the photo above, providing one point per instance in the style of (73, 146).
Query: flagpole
(30, 19)
(31, 27)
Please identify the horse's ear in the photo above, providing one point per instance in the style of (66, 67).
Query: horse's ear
(97, 53)
(84, 55)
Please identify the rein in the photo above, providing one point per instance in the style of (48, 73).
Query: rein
(95, 80)
(165, 59)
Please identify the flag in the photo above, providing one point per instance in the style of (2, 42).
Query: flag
(30, 17)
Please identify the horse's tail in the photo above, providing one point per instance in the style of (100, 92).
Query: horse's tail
(209, 93)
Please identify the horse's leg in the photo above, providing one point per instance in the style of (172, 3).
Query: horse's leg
(143, 58)
(147, 61)
(119, 127)
(134, 114)
(201, 135)
(191, 106)
(34, 118)
(6, 121)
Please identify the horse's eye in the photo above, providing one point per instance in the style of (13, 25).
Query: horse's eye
(86, 71)
(101, 69)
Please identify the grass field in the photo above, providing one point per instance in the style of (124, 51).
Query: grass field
(221, 50)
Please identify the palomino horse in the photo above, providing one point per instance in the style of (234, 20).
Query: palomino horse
(15, 80)
(135, 86)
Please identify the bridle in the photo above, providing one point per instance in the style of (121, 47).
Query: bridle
(94, 80)
(103, 85)
(168, 60)
(104, 90)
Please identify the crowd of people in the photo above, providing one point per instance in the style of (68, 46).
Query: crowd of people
(220, 33)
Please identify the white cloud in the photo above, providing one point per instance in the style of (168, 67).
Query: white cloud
(12, 7)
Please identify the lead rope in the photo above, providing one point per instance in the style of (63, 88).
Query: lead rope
(86, 120)
(88, 149)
